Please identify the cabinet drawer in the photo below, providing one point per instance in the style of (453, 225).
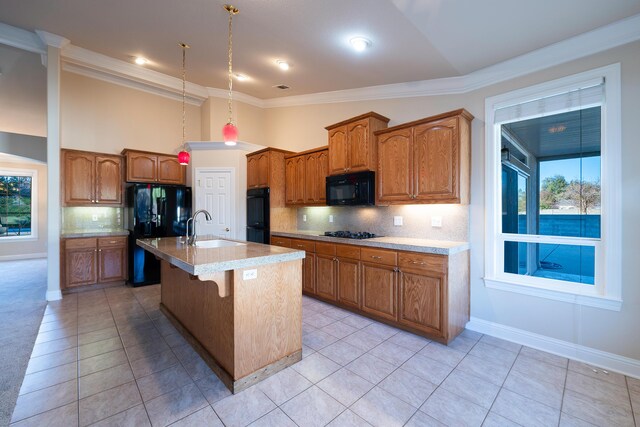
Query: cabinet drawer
(424, 262)
(305, 245)
(325, 248)
(347, 251)
(380, 256)
(281, 241)
(81, 243)
(105, 242)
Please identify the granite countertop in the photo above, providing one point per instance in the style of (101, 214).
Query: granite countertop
(439, 247)
(98, 232)
(199, 260)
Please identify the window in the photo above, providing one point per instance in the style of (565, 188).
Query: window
(553, 203)
(17, 204)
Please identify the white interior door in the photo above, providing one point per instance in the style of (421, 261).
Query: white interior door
(214, 192)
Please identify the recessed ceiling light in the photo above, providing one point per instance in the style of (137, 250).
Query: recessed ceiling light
(241, 77)
(140, 60)
(284, 65)
(360, 44)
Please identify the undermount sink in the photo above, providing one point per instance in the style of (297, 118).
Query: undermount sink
(216, 244)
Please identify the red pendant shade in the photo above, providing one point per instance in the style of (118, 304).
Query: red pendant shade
(183, 157)
(230, 134)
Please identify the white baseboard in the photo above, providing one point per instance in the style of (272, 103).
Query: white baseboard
(22, 256)
(54, 295)
(581, 353)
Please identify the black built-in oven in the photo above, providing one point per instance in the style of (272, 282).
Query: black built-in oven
(258, 215)
(354, 189)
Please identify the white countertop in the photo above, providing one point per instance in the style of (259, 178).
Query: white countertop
(199, 260)
(98, 232)
(440, 247)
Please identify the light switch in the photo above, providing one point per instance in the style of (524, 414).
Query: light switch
(397, 221)
(436, 221)
(94, 217)
(304, 218)
(330, 218)
(250, 274)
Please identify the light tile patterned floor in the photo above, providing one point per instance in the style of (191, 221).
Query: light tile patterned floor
(110, 357)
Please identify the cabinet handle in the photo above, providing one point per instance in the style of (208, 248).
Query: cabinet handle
(418, 262)
(300, 246)
(112, 241)
(99, 250)
(376, 257)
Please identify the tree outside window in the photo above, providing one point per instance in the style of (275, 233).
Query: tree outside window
(15, 205)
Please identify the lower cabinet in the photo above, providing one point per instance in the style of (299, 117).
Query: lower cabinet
(88, 261)
(379, 285)
(423, 293)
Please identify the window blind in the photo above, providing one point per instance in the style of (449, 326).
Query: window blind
(590, 94)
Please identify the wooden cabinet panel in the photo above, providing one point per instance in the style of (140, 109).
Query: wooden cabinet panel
(379, 290)
(112, 264)
(142, 167)
(310, 178)
(252, 171)
(305, 245)
(326, 248)
(322, 172)
(262, 178)
(80, 262)
(421, 301)
(380, 256)
(436, 160)
(309, 273)
(170, 171)
(395, 166)
(299, 182)
(422, 262)
(338, 151)
(348, 280)
(108, 180)
(359, 146)
(280, 241)
(348, 251)
(325, 276)
(79, 178)
(290, 181)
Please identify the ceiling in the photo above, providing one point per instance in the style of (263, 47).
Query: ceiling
(412, 40)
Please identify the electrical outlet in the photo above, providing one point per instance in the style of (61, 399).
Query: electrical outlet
(94, 217)
(250, 274)
(304, 218)
(330, 218)
(436, 221)
(397, 221)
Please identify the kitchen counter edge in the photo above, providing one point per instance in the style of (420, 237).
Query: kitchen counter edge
(438, 247)
(92, 233)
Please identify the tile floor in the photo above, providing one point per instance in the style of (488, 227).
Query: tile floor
(110, 357)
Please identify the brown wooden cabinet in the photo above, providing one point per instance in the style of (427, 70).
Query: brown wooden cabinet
(425, 161)
(258, 170)
(352, 144)
(423, 293)
(266, 168)
(144, 166)
(90, 260)
(306, 174)
(90, 179)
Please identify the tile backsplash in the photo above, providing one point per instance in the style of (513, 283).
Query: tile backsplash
(416, 219)
(92, 218)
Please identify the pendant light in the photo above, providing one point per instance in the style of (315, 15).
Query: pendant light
(183, 155)
(230, 131)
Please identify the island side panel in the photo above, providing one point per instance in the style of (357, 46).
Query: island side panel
(268, 317)
(200, 310)
(458, 294)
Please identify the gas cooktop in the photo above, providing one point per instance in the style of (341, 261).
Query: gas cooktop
(350, 234)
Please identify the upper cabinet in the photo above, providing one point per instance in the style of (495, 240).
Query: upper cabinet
(306, 174)
(266, 169)
(426, 161)
(352, 144)
(143, 166)
(91, 179)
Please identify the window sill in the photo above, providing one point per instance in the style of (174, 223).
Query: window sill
(603, 302)
(19, 239)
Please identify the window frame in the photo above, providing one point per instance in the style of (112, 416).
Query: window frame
(607, 291)
(33, 173)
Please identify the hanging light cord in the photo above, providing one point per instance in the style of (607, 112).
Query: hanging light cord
(232, 11)
(184, 92)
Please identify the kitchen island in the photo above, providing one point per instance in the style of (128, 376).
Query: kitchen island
(239, 304)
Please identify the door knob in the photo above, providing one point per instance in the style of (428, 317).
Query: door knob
(226, 229)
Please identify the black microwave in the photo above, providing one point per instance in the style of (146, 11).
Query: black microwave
(353, 189)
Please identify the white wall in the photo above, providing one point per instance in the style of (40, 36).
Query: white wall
(298, 128)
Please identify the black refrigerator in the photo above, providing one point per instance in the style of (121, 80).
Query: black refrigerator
(153, 211)
(258, 215)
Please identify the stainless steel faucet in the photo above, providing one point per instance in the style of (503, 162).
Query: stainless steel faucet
(191, 239)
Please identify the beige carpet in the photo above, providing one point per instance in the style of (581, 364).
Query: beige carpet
(23, 286)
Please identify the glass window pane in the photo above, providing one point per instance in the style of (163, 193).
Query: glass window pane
(551, 175)
(15, 205)
(571, 263)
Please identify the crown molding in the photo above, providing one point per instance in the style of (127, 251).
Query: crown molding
(53, 40)
(238, 96)
(21, 39)
(123, 71)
